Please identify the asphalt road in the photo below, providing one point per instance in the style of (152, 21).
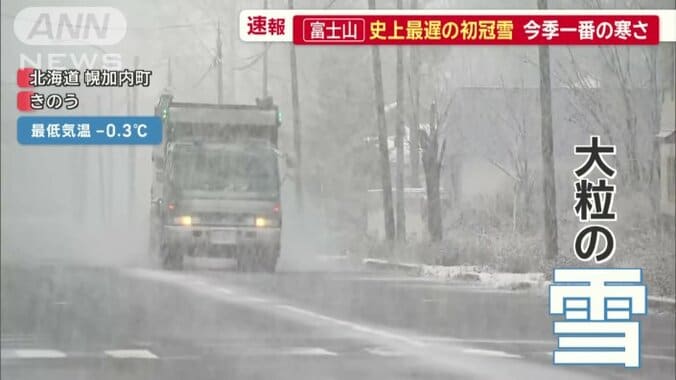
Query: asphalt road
(65, 321)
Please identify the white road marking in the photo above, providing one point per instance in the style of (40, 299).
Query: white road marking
(494, 353)
(32, 354)
(309, 351)
(224, 291)
(449, 339)
(352, 325)
(157, 275)
(130, 354)
(658, 357)
(435, 354)
(189, 281)
(252, 299)
(381, 351)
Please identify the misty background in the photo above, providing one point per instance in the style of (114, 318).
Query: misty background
(90, 203)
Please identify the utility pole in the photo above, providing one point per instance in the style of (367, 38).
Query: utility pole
(234, 32)
(265, 61)
(219, 63)
(414, 88)
(296, 123)
(386, 178)
(80, 192)
(169, 74)
(132, 109)
(399, 142)
(549, 173)
(102, 183)
(432, 158)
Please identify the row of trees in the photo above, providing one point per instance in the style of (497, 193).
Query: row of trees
(340, 117)
(620, 99)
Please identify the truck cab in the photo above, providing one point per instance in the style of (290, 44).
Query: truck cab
(216, 190)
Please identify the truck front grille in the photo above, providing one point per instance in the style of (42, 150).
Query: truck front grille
(225, 219)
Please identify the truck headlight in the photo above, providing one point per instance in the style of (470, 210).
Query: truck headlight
(261, 221)
(185, 220)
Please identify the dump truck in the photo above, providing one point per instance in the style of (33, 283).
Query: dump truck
(216, 184)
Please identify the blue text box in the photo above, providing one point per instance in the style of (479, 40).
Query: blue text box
(89, 130)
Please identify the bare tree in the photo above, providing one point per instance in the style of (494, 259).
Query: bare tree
(296, 121)
(629, 83)
(547, 140)
(432, 158)
(386, 178)
(399, 141)
(660, 61)
(590, 109)
(512, 128)
(414, 88)
(618, 62)
(132, 109)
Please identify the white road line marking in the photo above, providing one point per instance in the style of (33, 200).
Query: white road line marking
(443, 339)
(130, 354)
(309, 351)
(189, 281)
(494, 353)
(380, 351)
(32, 354)
(658, 357)
(224, 291)
(252, 299)
(177, 278)
(354, 326)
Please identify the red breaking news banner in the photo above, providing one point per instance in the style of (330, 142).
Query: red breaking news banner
(476, 30)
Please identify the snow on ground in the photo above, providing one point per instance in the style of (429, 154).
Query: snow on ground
(512, 281)
(534, 282)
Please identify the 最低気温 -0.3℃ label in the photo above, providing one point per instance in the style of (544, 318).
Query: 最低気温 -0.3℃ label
(89, 130)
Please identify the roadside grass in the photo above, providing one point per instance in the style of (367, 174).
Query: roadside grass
(484, 237)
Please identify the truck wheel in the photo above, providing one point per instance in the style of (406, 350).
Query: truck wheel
(154, 245)
(266, 259)
(244, 260)
(172, 258)
(269, 259)
(270, 263)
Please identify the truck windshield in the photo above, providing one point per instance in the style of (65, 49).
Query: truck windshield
(224, 171)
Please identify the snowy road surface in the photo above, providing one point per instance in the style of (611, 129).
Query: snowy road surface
(63, 321)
